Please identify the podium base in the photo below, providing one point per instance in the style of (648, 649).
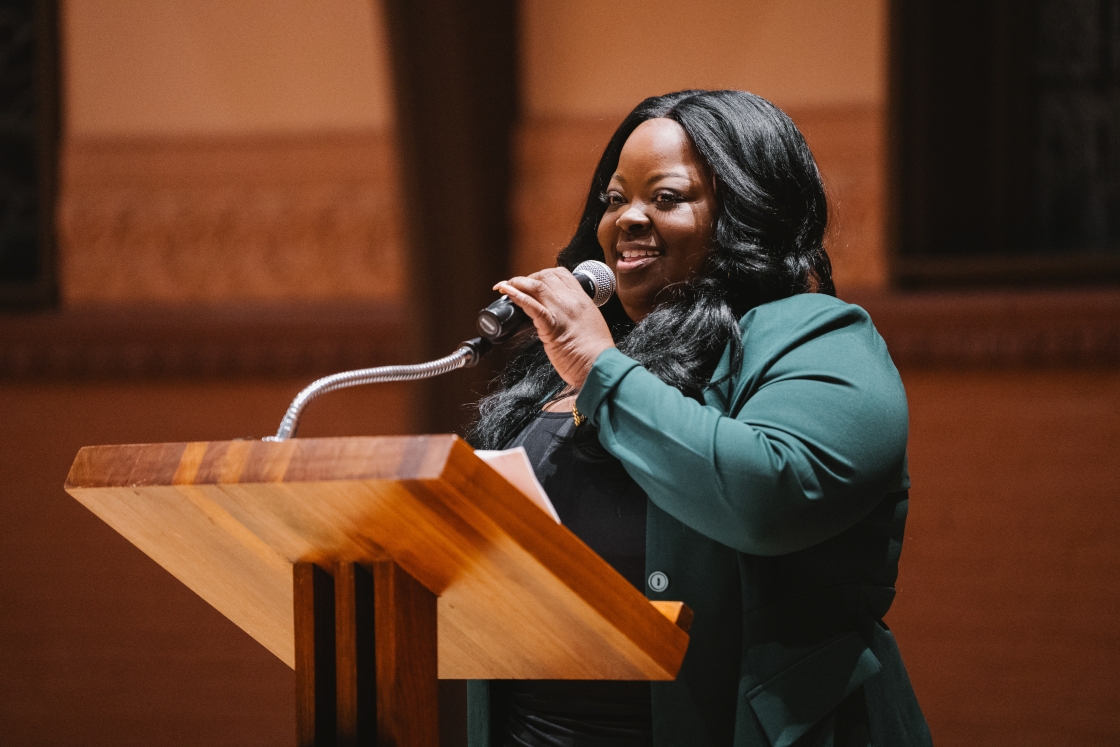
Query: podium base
(366, 656)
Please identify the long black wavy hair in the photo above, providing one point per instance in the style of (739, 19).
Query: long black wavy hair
(767, 244)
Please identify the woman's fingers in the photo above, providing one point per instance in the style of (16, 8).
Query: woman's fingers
(552, 298)
(567, 322)
(556, 284)
(525, 299)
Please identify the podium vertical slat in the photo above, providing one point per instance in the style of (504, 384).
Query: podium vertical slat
(407, 668)
(313, 594)
(356, 660)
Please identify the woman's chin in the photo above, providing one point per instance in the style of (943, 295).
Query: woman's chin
(636, 305)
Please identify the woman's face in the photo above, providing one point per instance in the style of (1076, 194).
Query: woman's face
(660, 207)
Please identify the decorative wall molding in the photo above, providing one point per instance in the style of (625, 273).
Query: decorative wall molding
(228, 341)
(959, 330)
(316, 218)
(998, 328)
(240, 219)
(555, 158)
(273, 256)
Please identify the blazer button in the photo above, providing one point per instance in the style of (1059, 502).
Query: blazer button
(658, 581)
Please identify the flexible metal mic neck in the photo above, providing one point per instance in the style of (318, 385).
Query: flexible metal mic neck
(468, 355)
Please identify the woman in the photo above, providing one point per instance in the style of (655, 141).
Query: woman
(725, 433)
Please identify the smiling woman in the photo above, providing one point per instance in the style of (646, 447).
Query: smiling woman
(657, 226)
(737, 441)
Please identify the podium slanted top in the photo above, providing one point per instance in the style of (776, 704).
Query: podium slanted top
(520, 597)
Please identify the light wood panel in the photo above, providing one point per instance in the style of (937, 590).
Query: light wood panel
(519, 596)
(406, 659)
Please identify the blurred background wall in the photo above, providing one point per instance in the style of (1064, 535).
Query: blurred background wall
(586, 64)
(226, 152)
(251, 194)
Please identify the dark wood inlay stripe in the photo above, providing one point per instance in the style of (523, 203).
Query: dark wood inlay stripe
(124, 466)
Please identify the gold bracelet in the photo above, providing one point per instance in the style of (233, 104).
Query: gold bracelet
(577, 418)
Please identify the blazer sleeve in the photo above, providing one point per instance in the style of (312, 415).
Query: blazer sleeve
(807, 438)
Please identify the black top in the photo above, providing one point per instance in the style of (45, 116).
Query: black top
(606, 509)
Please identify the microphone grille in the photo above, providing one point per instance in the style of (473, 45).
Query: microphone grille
(601, 276)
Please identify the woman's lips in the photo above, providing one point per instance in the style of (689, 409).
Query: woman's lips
(635, 258)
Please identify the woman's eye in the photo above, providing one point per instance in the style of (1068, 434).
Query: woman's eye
(614, 198)
(666, 199)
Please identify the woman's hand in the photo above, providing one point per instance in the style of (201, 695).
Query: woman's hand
(568, 323)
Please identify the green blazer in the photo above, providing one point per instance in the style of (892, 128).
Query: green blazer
(776, 512)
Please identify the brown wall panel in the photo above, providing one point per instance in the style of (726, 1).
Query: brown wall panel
(1006, 609)
(98, 645)
(1007, 605)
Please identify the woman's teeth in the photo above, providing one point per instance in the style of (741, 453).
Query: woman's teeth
(638, 253)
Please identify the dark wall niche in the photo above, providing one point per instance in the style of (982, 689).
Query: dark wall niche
(1005, 141)
(29, 117)
(455, 68)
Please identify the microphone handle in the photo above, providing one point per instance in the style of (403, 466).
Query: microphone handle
(500, 320)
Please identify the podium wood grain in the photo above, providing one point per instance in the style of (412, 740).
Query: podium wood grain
(519, 596)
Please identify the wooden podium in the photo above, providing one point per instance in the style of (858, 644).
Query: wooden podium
(374, 566)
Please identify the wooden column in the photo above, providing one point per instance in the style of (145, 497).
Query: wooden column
(406, 652)
(355, 657)
(313, 593)
(366, 657)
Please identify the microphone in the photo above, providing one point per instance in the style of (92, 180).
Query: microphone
(498, 321)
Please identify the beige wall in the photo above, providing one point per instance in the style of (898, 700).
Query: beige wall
(586, 58)
(587, 63)
(222, 151)
(178, 111)
(215, 67)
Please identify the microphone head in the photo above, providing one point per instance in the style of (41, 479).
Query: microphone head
(601, 278)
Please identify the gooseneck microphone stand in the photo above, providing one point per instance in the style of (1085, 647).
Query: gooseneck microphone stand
(468, 355)
(496, 323)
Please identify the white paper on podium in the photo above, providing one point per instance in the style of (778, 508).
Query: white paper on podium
(513, 464)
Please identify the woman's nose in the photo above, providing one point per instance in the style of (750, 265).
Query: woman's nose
(633, 220)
